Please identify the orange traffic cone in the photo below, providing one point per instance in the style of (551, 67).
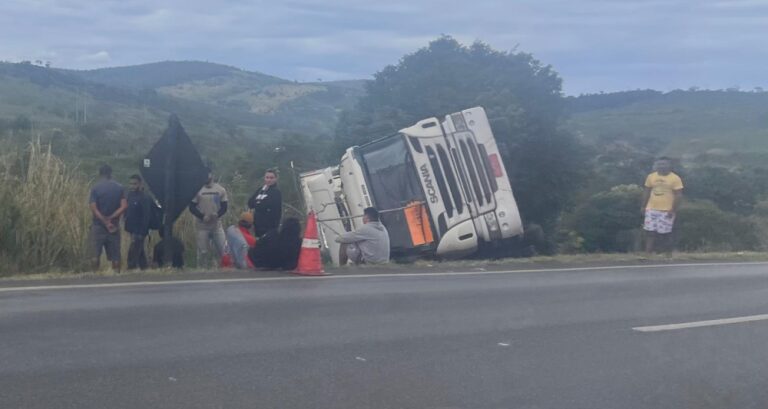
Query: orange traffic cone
(309, 257)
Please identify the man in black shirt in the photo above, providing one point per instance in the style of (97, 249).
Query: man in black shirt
(267, 205)
(137, 222)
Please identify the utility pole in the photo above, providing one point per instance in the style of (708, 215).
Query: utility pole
(77, 116)
(170, 191)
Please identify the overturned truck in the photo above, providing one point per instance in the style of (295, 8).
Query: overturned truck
(440, 186)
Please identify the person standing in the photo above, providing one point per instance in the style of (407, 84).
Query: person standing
(267, 205)
(663, 194)
(107, 202)
(208, 207)
(137, 217)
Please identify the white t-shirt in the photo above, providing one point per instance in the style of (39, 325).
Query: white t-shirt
(208, 201)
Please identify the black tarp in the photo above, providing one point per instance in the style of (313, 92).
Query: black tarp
(174, 153)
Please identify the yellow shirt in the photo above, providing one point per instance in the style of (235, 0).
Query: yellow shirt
(662, 190)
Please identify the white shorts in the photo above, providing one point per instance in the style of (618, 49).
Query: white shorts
(658, 221)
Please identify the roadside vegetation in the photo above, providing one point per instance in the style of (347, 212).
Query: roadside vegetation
(44, 222)
(42, 219)
(576, 163)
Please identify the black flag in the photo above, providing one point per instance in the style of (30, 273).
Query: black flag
(174, 170)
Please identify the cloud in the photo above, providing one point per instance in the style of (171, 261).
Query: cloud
(739, 4)
(322, 74)
(594, 44)
(99, 57)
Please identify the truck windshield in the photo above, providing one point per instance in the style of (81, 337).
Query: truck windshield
(392, 176)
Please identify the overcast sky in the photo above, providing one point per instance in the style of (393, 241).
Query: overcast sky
(594, 44)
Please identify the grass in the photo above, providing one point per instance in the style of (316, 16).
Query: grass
(604, 258)
(44, 212)
(44, 216)
(87, 274)
(580, 260)
(576, 260)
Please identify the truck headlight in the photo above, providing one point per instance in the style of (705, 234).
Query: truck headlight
(491, 221)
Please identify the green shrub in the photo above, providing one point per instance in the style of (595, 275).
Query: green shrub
(702, 226)
(730, 190)
(608, 221)
(760, 224)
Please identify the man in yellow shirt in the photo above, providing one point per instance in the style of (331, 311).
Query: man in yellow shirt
(663, 193)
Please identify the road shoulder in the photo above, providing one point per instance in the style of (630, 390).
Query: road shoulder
(558, 263)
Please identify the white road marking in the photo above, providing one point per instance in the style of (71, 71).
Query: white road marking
(504, 344)
(698, 324)
(359, 358)
(371, 275)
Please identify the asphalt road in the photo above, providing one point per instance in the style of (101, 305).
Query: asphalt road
(556, 339)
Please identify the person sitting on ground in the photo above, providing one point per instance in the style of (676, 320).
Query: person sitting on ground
(239, 241)
(177, 255)
(367, 244)
(278, 251)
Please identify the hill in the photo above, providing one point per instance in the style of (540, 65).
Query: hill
(254, 98)
(686, 124)
(115, 114)
(226, 95)
(167, 73)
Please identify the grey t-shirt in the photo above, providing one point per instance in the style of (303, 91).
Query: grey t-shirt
(208, 201)
(372, 239)
(107, 194)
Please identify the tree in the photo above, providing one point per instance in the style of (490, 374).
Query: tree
(522, 97)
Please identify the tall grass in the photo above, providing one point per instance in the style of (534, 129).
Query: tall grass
(43, 212)
(45, 220)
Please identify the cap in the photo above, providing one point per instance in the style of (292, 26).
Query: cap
(246, 217)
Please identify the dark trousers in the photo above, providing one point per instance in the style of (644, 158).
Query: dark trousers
(137, 256)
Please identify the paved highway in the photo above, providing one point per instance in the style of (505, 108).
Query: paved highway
(638, 337)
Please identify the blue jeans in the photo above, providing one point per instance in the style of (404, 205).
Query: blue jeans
(204, 238)
(238, 247)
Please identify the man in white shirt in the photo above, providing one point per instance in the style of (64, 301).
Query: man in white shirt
(208, 207)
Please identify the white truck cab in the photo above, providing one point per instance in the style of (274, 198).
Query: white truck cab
(440, 187)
